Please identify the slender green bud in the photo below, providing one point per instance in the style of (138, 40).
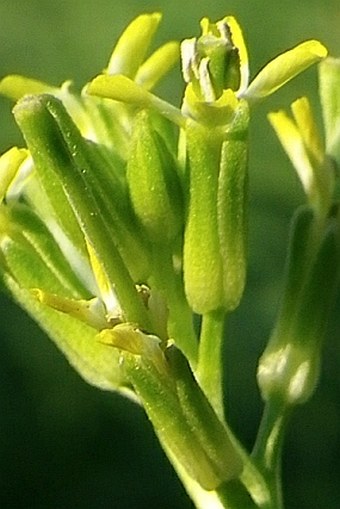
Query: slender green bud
(186, 430)
(289, 367)
(59, 153)
(215, 437)
(153, 182)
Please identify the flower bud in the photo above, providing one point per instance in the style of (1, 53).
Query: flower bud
(153, 181)
(214, 436)
(182, 417)
(289, 367)
(61, 158)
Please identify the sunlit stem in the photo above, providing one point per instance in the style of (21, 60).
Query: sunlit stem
(268, 446)
(180, 320)
(209, 371)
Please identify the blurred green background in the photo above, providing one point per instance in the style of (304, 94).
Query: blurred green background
(66, 445)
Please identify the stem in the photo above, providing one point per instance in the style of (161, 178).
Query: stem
(180, 321)
(268, 447)
(209, 370)
(231, 495)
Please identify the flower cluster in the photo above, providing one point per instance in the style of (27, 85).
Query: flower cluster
(123, 224)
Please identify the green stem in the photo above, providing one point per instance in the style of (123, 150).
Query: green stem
(268, 447)
(209, 370)
(180, 320)
(231, 495)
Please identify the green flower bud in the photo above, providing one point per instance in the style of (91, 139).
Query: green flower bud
(153, 182)
(26, 243)
(182, 418)
(60, 154)
(214, 436)
(289, 367)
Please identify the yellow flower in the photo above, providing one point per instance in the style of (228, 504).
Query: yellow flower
(300, 139)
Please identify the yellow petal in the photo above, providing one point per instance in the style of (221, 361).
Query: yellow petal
(107, 293)
(10, 163)
(90, 311)
(306, 124)
(285, 67)
(214, 114)
(15, 86)
(133, 44)
(121, 88)
(128, 338)
(157, 65)
(292, 142)
(238, 41)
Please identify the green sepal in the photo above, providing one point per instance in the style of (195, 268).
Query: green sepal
(232, 209)
(153, 182)
(214, 437)
(203, 270)
(58, 150)
(301, 240)
(320, 287)
(289, 366)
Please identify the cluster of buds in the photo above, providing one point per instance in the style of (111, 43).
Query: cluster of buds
(125, 217)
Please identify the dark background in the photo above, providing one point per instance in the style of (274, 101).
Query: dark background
(64, 444)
